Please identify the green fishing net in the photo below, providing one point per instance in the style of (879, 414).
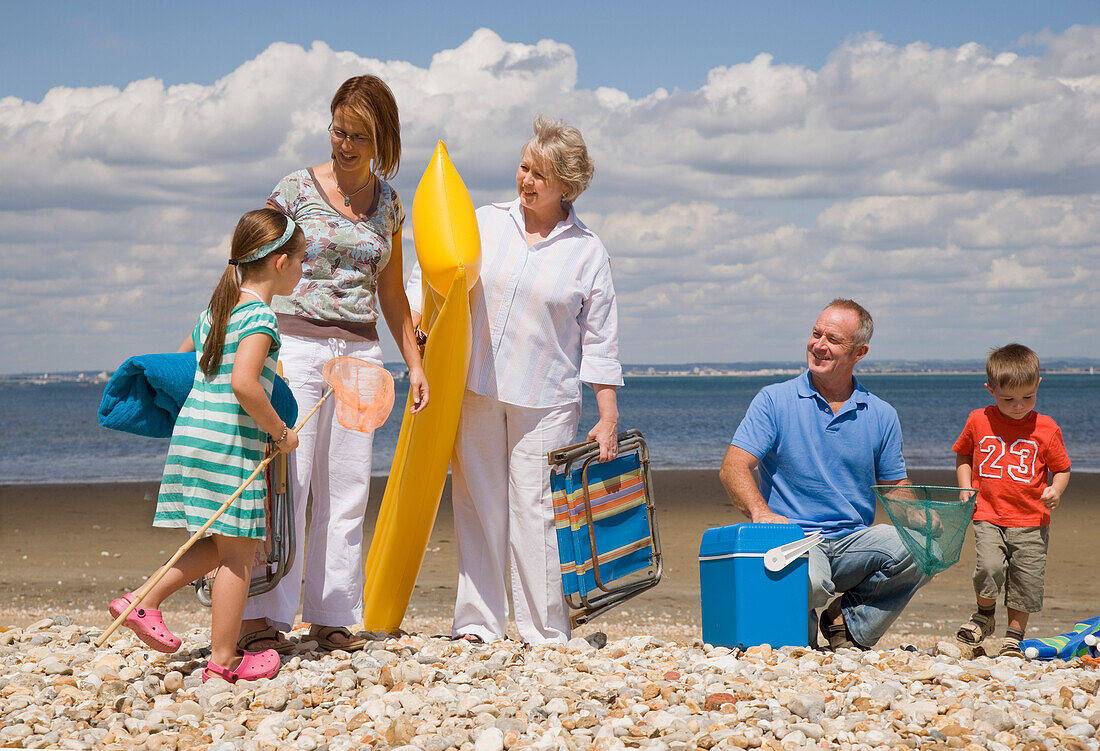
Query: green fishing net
(930, 520)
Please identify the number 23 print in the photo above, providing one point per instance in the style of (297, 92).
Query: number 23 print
(1020, 463)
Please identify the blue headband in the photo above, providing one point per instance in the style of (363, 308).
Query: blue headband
(265, 250)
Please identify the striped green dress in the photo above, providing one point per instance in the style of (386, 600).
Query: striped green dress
(215, 444)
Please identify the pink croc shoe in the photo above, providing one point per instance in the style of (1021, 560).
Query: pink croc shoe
(147, 624)
(253, 667)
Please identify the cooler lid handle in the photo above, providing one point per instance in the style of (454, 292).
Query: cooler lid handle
(779, 558)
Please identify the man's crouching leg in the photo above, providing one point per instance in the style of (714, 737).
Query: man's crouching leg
(821, 586)
(878, 578)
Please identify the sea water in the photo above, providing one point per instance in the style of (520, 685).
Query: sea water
(49, 433)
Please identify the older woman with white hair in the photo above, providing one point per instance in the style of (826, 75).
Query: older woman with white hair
(544, 321)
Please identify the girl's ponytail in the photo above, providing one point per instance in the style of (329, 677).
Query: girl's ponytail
(222, 303)
(256, 228)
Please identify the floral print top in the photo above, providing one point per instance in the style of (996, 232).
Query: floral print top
(343, 257)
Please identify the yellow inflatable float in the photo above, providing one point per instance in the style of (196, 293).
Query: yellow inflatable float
(448, 248)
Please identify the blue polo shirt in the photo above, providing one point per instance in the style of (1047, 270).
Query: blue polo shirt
(817, 468)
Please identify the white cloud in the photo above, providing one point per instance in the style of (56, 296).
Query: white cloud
(955, 192)
(1073, 54)
(987, 219)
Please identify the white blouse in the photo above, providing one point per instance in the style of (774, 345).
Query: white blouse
(544, 318)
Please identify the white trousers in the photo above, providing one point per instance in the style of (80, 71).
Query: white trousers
(504, 519)
(335, 463)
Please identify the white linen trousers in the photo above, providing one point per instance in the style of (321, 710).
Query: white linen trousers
(504, 519)
(335, 463)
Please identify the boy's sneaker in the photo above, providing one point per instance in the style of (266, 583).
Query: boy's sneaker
(1010, 647)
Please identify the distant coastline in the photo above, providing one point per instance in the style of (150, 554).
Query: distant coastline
(709, 372)
(1077, 366)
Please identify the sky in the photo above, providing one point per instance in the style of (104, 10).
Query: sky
(936, 161)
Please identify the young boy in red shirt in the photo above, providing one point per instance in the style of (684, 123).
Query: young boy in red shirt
(1006, 451)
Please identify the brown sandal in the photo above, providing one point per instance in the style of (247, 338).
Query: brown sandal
(834, 630)
(323, 637)
(1010, 647)
(976, 630)
(282, 645)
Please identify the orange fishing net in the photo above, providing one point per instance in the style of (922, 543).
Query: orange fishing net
(363, 391)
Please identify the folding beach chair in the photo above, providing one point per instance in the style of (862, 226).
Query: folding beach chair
(606, 524)
(276, 556)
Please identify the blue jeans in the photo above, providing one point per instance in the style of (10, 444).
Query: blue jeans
(876, 575)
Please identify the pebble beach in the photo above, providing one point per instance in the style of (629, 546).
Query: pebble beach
(416, 692)
(642, 677)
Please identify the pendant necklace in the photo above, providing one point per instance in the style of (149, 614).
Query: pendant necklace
(349, 196)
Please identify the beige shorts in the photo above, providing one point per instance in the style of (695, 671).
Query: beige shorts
(1014, 558)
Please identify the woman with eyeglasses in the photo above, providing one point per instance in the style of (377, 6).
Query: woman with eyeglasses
(352, 222)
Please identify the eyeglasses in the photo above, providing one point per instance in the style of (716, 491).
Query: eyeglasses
(340, 136)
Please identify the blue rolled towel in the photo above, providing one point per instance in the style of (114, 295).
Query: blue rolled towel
(147, 392)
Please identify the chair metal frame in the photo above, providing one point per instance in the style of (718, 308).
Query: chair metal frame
(280, 555)
(585, 605)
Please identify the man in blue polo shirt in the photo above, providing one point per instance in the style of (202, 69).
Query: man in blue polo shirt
(819, 442)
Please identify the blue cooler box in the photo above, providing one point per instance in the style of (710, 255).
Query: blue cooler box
(743, 603)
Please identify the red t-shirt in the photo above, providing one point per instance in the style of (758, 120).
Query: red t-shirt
(1010, 460)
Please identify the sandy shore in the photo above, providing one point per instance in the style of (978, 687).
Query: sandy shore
(69, 549)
